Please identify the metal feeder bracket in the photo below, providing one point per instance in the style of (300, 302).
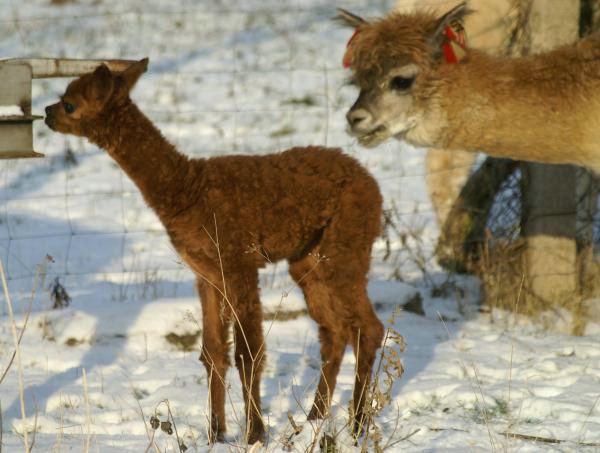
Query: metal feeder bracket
(16, 74)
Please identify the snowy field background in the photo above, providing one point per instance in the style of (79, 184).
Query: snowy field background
(244, 77)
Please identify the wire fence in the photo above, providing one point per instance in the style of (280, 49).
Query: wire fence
(225, 78)
(247, 79)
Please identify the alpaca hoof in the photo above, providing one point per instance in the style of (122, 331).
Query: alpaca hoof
(256, 436)
(358, 427)
(216, 437)
(314, 415)
(317, 413)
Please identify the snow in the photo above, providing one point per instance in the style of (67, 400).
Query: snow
(10, 110)
(249, 78)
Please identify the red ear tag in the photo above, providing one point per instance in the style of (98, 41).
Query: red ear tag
(347, 58)
(455, 45)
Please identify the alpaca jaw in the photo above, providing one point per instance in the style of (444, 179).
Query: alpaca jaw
(390, 124)
(381, 134)
(372, 138)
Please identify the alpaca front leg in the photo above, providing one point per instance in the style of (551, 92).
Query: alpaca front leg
(249, 355)
(216, 382)
(215, 357)
(249, 347)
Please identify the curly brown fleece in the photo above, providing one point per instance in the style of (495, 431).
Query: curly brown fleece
(228, 216)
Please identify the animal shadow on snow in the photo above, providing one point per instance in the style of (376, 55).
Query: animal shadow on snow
(90, 304)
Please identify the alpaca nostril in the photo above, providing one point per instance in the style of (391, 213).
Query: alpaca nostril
(356, 120)
(47, 109)
(357, 117)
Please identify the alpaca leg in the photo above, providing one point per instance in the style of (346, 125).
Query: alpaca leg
(367, 337)
(214, 355)
(333, 278)
(318, 296)
(249, 348)
(336, 295)
(332, 352)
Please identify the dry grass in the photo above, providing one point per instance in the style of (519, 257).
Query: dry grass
(17, 345)
(184, 342)
(503, 274)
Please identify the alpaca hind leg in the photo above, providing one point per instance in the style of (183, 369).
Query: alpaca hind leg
(320, 304)
(333, 278)
(332, 352)
(366, 339)
(346, 307)
(214, 355)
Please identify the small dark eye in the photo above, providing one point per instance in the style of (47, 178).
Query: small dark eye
(401, 83)
(69, 108)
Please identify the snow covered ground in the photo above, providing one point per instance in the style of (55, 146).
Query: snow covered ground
(242, 77)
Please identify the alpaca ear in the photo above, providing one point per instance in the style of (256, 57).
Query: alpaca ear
(103, 83)
(131, 75)
(456, 14)
(349, 19)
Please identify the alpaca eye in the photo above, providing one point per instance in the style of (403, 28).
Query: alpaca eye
(69, 108)
(401, 83)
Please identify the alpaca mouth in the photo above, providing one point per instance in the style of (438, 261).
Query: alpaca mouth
(49, 122)
(374, 137)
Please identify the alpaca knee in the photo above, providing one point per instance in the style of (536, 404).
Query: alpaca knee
(247, 362)
(213, 359)
(371, 334)
(378, 333)
(374, 338)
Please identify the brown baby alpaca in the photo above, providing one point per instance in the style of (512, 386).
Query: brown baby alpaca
(543, 108)
(228, 216)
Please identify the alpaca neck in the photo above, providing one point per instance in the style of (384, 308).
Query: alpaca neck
(521, 109)
(153, 164)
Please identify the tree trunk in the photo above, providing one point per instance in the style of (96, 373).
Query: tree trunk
(549, 201)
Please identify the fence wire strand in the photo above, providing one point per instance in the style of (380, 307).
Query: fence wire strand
(293, 88)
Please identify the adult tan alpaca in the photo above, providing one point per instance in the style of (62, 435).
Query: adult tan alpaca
(492, 29)
(228, 216)
(543, 108)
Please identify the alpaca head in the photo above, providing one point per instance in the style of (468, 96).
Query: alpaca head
(89, 96)
(389, 58)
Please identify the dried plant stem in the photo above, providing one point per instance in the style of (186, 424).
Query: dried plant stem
(479, 396)
(13, 326)
(35, 425)
(87, 411)
(547, 440)
(39, 271)
(374, 384)
(179, 443)
(149, 433)
(57, 445)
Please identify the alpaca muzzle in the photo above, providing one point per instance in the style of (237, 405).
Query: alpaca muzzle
(49, 119)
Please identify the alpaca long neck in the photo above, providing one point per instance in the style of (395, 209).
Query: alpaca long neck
(154, 165)
(542, 109)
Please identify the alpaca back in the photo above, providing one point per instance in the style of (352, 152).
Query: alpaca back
(278, 203)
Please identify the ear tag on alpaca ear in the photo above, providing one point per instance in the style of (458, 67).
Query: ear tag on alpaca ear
(455, 44)
(348, 56)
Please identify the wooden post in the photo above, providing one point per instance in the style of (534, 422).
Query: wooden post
(549, 202)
